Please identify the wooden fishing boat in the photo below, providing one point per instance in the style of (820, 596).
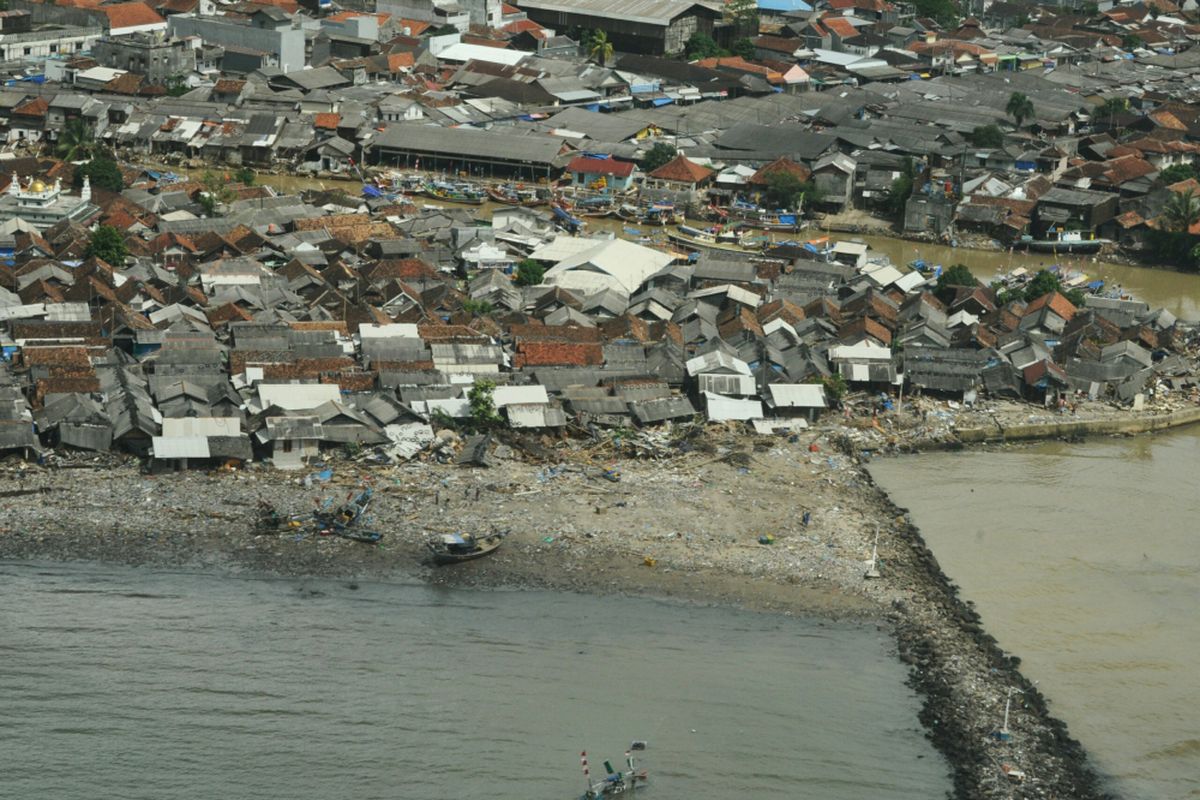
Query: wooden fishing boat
(713, 239)
(1065, 242)
(454, 193)
(515, 196)
(453, 548)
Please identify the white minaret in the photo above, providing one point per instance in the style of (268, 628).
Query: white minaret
(14, 185)
(85, 194)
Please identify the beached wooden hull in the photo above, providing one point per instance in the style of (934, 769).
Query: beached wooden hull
(485, 546)
(703, 244)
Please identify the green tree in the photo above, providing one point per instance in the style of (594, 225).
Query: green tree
(1045, 282)
(901, 189)
(76, 141)
(216, 193)
(986, 136)
(177, 86)
(658, 155)
(1019, 107)
(600, 48)
(1181, 211)
(246, 176)
(108, 245)
(952, 278)
(1176, 173)
(786, 191)
(835, 386)
(945, 12)
(480, 398)
(529, 273)
(744, 48)
(701, 45)
(477, 308)
(102, 172)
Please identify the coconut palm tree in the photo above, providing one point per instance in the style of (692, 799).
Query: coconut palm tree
(1019, 107)
(1181, 211)
(77, 142)
(1111, 107)
(600, 48)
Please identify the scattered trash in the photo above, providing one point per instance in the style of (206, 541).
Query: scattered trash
(766, 538)
(650, 562)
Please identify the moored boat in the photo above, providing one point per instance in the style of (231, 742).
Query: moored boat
(464, 193)
(453, 548)
(712, 239)
(1066, 242)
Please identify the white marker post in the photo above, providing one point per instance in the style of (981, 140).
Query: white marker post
(872, 572)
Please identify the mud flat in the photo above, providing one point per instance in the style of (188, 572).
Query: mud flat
(688, 526)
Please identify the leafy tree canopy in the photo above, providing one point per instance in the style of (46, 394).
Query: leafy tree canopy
(987, 136)
(658, 155)
(483, 405)
(108, 244)
(1176, 173)
(103, 173)
(529, 273)
(951, 278)
(701, 45)
(785, 190)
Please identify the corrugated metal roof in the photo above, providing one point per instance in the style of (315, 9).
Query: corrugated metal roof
(647, 12)
(297, 396)
(201, 427)
(796, 395)
(180, 447)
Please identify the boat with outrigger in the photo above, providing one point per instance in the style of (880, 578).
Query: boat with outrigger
(461, 192)
(615, 782)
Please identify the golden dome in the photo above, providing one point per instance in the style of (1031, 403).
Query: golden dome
(37, 186)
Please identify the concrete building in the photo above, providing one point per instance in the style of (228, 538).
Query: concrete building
(269, 31)
(42, 44)
(653, 27)
(438, 13)
(154, 56)
(43, 205)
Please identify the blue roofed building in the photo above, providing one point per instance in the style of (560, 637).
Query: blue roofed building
(783, 6)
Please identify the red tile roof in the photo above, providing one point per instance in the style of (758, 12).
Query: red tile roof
(782, 165)
(1056, 303)
(37, 107)
(130, 15)
(327, 122)
(681, 170)
(548, 354)
(600, 166)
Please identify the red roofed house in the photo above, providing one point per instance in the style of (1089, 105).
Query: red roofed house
(127, 18)
(601, 173)
(681, 173)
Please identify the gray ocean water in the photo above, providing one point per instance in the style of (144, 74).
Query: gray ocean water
(122, 683)
(1083, 560)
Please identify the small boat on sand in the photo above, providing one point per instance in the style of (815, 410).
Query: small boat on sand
(452, 548)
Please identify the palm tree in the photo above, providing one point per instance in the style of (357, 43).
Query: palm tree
(77, 142)
(1111, 107)
(600, 48)
(1182, 211)
(1019, 107)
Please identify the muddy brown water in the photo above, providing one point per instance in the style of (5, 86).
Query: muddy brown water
(137, 683)
(1082, 560)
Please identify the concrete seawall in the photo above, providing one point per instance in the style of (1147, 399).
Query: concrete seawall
(1072, 429)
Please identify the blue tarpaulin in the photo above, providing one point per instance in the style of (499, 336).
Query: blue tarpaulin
(787, 219)
(371, 191)
(662, 101)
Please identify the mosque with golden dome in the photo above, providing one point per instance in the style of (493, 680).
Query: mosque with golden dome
(42, 205)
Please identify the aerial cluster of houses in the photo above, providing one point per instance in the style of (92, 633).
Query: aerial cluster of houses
(849, 90)
(293, 323)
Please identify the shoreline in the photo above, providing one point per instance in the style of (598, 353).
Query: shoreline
(683, 528)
